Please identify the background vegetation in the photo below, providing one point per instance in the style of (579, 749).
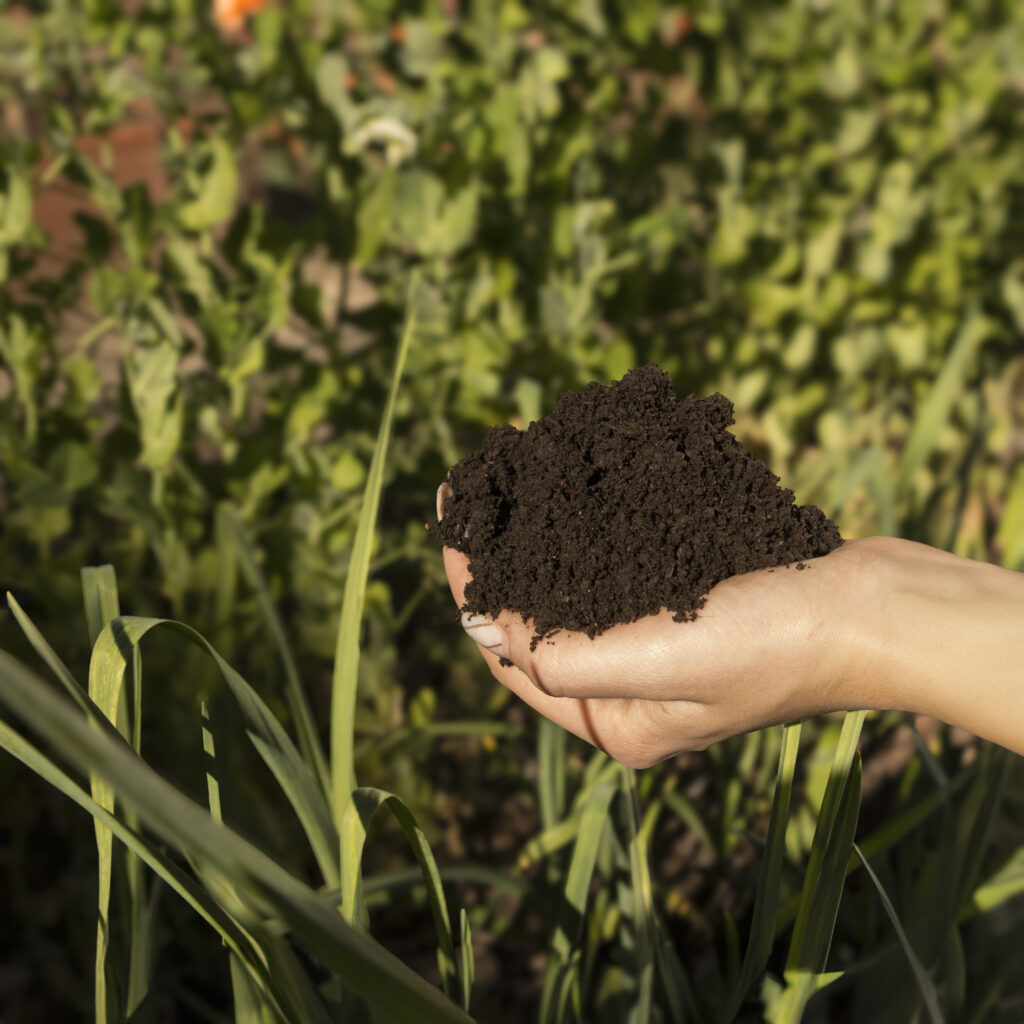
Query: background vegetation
(208, 220)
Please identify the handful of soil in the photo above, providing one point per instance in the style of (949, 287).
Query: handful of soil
(623, 501)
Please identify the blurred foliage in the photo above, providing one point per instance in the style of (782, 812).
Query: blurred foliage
(815, 207)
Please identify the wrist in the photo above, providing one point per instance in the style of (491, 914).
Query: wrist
(947, 640)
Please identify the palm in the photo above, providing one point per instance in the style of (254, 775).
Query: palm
(768, 646)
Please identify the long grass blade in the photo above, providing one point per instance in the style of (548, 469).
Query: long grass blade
(572, 912)
(111, 652)
(551, 771)
(821, 924)
(249, 1007)
(924, 981)
(346, 657)
(269, 891)
(601, 769)
(245, 996)
(142, 907)
(185, 886)
(478, 874)
(281, 961)
(804, 953)
(309, 739)
(355, 821)
(1003, 885)
(562, 977)
(986, 794)
(684, 807)
(769, 881)
(643, 902)
(99, 589)
(407, 736)
(467, 970)
(886, 835)
(680, 997)
(210, 758)
(42, 647)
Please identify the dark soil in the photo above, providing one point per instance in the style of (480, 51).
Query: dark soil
(623, 501)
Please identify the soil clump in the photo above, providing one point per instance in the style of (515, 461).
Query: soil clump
(624, 500)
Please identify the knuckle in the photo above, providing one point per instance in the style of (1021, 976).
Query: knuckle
(542, 668)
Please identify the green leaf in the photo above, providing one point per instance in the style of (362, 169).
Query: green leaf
(975, 823)
(600, 769)
(309, 740)
(821, 922)
(551, 768)
(355, 821)
(48, 654)
(885, 836)
(250, 1002)
(185, 886)
(769, 879)
(563, 976)
(787, 1005)
(830, 853)
(572, 912)
(937, 406)
(374, 215)
(216, 189)
(467, 970)
(331, 72)
(15, 209)
(22, 350)
(687, 811)
(644, 917)
(310, 805)
(510, 138)
(210, 752)
(195, 274)
(249, 1007)
(346, 658)
(1003, 885)
(152, 373)
(268, 891)
(921, 976)
(99, 587)
(348, 472)
(433, 222)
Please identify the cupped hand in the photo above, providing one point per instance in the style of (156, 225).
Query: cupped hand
(770, 646)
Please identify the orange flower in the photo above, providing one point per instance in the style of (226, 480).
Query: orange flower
(230, 15)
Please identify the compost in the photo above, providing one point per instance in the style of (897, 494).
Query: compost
(624, 500)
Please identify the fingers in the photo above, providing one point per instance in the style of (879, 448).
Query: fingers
(655, 657)
(766, 647)
(637, 733)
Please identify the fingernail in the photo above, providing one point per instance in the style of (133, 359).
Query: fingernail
(444, 492)
(487, 633)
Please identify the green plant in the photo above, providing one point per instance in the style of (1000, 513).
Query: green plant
(261, 911)
(813, 208)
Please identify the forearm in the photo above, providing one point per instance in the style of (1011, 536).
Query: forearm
(950, 643)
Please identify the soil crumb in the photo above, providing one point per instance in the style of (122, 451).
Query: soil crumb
(623, 501)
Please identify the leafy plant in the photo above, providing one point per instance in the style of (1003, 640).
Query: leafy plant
(812, 208)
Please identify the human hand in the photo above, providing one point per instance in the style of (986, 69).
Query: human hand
(770, 646)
